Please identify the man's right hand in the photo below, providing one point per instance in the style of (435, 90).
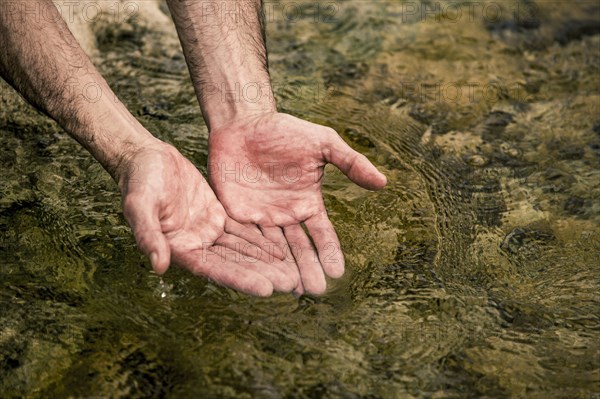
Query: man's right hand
(175, 216)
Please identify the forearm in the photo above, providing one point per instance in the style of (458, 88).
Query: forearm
(42, 60)
(224, 46)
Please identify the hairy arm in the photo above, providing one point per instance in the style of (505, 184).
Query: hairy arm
(42, 60)
(174, 214)
(224, 46)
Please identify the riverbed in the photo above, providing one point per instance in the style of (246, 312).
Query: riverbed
(474, 273)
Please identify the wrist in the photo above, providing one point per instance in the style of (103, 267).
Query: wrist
(121, 164)
(226, 102)
(110, 133)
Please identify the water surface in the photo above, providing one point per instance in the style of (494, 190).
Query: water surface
(473, 274)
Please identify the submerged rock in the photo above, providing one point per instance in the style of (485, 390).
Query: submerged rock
(575, 205)
(495, 124)
(577, 29)
(358, 138)
(513, 240)
(520, 237)
(345, 73)
(525, 16)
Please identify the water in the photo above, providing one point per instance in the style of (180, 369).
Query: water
(473, 274)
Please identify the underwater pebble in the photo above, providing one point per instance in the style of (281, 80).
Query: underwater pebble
(477, 160)
(571, 153)
(574, 205)
(509, 150)
(358, 138)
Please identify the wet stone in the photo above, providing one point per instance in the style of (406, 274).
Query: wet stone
(519, 26)
(577, 29)
(594, 145)
(43, 142)
(565, 149)
(8, 156)
(158, 111)
(510, 150)
(553, 174)
(521, 106)
(382, 93)
(571, 153)
(296, 59)
(533, 86)
(525, 17)
(345, 73)
(575, 205)
(501, 158)
(477, 160)
(524, 319)
(358, 138)
(499, 118)
(520, 237)
(432, 116)
(495, 124)
(394, 163)
(125, 34)
(555, 180)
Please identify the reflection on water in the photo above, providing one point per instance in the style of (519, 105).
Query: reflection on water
(475, 273)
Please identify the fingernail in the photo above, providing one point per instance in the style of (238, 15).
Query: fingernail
(154, 260)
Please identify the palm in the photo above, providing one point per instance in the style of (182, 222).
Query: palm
(268, 170)
(266, 173)
(176, 216)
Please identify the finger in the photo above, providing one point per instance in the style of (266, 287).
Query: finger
(253, 227)
(211, 265)
(244, 247)
(275, 234)
(148, 233)
(353, 164)
(244, 250)
(275, 271)
(248, 234)
(310, 269)
(327, 243)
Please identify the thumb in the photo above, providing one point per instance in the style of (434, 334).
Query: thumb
(149, 236)
(353, 164)
(154, 245)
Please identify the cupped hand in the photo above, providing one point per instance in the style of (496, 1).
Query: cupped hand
(268, 169)
(176, 217)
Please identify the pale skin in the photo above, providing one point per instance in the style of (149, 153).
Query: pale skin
(233, 231)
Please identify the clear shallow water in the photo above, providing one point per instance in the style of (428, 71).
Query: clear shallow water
(473, 274)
